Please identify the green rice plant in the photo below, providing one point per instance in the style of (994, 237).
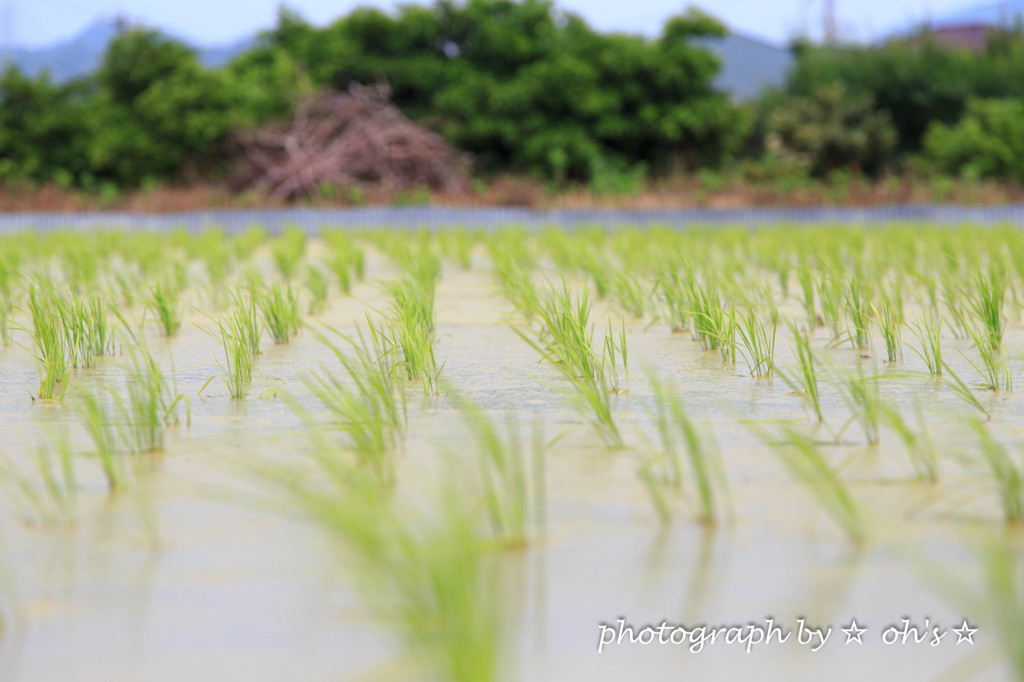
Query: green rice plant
(457, 245)
(675, 284)
(995, 366)
(426, 576)
(807, 381)
(280, 309)
(165, 302)
(987, 305)
(830, 295)
(666, 469)
(566, 340)
(918, 443)
(713, 326)
(366, 404)
(100, 330)
(513, 269)
(149, 406)
(317, 285)
(239, 335)
(858, 309)
(45, 496)
(347, 261)
(962, 390)
(630, 292)
(614, 350)
(513, 490)
(757, 345)
(862, 397)
(1007, 473)
(928, 331)
(805, 278)
(804, 460)
(411, 326)
(100, 427)
(288, 250)
(890, 324)
(54, 354)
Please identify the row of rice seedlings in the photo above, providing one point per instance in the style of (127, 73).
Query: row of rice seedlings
(803, 459)
(513, 266)
(46, 496)
(239, 334)
(665, 469)
(366, 404)
(513, 490)
(630, 292)
(566, 340)
(757, 345)
(674, 290)
(280, 309)
(457, 245)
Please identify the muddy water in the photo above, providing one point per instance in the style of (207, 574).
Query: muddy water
(199, 577)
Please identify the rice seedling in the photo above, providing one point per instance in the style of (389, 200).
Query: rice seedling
(858, 309)
(862, 397)
(513, 490)
(630, 292)
(963, 390)
(1007, 473)
(238, 333)
(150, 405)
(410, 329)
(807, 381)
(165, 302)
(918, 443)
(288, 250)
(513, 270)
(614, 350)
(54, 355)
(805, 278)
(280, 309)
(928, 331)
(317, 285)
(100, 428)
(366, 404)
(804, 460)
(566, 340)
(987, 306)
(666, 469)
(47, 495)
(890, 324)
(995, 366)
(830, 295)
(757, 345)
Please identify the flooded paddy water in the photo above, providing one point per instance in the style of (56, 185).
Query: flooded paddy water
(263, 539)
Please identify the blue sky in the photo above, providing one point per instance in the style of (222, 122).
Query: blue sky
(32, 23)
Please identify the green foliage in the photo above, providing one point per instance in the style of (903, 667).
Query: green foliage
(829, 130)
(988, 142)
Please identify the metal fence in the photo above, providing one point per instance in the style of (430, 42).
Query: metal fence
(438, 217)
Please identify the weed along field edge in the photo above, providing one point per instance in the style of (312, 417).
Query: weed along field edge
(512, 454)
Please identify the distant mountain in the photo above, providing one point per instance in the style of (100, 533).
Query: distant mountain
(81, 55)
(748, 65)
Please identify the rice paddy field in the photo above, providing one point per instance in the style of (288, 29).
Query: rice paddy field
(512, 455)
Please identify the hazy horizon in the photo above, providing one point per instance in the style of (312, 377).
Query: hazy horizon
(37, 23)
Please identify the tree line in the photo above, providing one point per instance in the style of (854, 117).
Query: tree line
(527, 89)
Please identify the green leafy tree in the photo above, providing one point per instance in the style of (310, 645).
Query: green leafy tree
(988, 142)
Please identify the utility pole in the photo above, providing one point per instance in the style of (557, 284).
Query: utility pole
(828, 18)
